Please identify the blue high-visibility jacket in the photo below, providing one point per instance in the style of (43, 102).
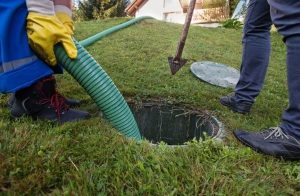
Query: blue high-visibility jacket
(19, 66)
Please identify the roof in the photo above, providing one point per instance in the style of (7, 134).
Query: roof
(134, 6)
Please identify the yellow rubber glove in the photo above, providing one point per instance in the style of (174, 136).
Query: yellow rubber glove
(67, 21)
(44, 32)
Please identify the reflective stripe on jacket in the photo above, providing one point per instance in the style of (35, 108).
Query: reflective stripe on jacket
(19, 67)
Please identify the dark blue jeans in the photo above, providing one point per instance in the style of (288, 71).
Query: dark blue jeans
(285, 15)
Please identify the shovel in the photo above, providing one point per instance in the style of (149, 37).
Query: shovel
(176, 63)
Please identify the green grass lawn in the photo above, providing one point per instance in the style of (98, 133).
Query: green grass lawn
(91, 157)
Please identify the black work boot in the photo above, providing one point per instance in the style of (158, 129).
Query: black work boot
(42, 101)
(70, 102)
(273, 141)
(240, 107)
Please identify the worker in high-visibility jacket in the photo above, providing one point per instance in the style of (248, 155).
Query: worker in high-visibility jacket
(29, 31)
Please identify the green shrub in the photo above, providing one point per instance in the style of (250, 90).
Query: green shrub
(232, 24)
(99, 9)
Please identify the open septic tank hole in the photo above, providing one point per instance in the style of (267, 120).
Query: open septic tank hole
(174, 125)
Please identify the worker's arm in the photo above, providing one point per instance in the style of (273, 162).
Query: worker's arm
(67, 3)
(45, 30)
(63, 10)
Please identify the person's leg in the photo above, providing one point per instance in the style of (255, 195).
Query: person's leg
(291, 116)
(256, 51)
(255, 59)
(286, 17)
(283, 141)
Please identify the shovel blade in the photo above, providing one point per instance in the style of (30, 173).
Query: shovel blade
(175, 65)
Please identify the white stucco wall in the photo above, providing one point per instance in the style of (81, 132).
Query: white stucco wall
(170, 11)
(172, 6)
(175, 17)
(152, 8)
(161, 10)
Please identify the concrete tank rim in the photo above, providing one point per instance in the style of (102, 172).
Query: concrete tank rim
(218, 137)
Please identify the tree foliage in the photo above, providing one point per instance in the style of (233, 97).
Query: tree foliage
(99, 9)
(232, 5)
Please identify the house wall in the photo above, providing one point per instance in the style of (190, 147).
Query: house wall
(171, 11)
(152, 8)
(172, 6)
(167, 10)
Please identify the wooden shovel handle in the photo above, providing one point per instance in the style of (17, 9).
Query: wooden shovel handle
(185, 30)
